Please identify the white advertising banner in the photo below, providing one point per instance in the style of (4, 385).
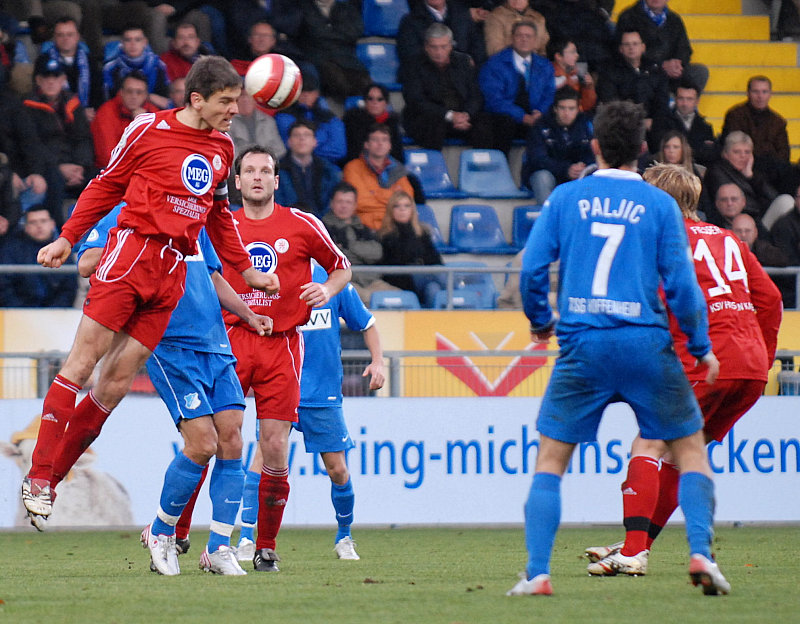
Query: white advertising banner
(416, 461)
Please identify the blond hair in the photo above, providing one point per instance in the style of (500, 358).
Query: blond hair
(388, 224)
(679, 182)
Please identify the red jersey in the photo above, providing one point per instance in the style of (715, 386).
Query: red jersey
(173, 179)
(284, 243)
(744, 305)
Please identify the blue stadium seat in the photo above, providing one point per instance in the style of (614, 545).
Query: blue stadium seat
(475, 228)
(463, 299)
(382, 17)
(521, 223)
(426, 215)
(485, 173)
(353, 101)
(482, 284)
(394, 300)
(380, 59)
(431, 169)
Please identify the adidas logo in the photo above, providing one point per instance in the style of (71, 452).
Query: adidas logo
(163, 125)
(49, 416)
(629, 492)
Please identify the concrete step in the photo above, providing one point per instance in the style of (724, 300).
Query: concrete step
(727, 27)
(734, 78)
(769, 53)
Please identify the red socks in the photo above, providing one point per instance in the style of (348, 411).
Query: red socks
(639, 496)
(59, 404)
(273, 492)
(668, 478)
(185, 522)
(84, 427)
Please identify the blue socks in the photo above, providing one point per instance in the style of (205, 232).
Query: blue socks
(343, 500)
(542, 517)
(180, 480)
(696, 498)
(225, 489)
(250, 505)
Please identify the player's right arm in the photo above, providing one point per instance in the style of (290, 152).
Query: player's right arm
(534, 279)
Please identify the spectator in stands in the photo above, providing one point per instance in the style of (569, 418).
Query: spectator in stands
(517, 86)
(632, 76)
(442, 95)
(685, 119)
(263, 38)
(730, 203)
(25, 154)
(331, 141)
(9, 207)
(185, 48)
(412, 33)
(765, 127)
(664, 34)
(307, 181)
(359, 243)
(252, 126)
(63, 129)
(328, 37)
(736, 166)
(375, 109)
(56, 289)
(559, 146)
(746, 230)
(675, 150)
(376, 176)
(786, 232)
(586, 22)
(83, 73)
(135, 54)
(283, 17)
(114, 116)
(498, 25)
(177, 94)
(14, 59)
(563, 55)
(407, 242)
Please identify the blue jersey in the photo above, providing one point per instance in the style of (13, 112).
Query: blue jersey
(321, 381)
(617, 238)
(196, 323)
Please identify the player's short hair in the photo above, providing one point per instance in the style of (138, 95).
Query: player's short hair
(527, 23)
(565, 93)
(679, 182)
(619, 129)
(210, 74)
(302, 123)
(255, 149)
(438, 30)
(344, 187)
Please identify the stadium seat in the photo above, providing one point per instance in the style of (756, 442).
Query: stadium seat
(394, 300)
(426, 215)
(382, 17)
(475, 228)
(353, 101)
(431, 169)
(522, 221)
(463, 299)
(381, 61)
(482, 284)
(485, 173)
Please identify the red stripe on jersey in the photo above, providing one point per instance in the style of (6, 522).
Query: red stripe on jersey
(323, 233)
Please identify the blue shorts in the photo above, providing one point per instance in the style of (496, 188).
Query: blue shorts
(634, 365)
(323, 429)
(193, 383)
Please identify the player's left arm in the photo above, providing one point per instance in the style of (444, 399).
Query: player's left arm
(230, 301)
(316, 294)
(374, 370)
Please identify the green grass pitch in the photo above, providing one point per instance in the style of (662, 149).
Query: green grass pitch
(406, 575)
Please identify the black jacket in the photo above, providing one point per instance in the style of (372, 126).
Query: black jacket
(648, 86)
(423, 92)
(331, 38)
(63, 129)
(669, 41)
(700, 136)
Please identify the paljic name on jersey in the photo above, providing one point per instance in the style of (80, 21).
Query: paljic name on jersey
(736, 306)
(627, 210)
(257, 298)
(186, 206)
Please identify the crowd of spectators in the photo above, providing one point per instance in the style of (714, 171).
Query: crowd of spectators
(483, 73)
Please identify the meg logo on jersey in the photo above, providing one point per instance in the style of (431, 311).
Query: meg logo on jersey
(263, 256)
(196, 174)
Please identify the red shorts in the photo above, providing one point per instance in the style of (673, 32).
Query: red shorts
(138, 283)
(271, 366)
(725, 402)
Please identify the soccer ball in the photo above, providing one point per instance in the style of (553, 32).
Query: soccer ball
(274, 81)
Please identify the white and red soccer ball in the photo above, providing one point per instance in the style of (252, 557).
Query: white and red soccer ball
(274, 81)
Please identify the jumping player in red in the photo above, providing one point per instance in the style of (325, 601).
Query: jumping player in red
(744, 313)
(281, 241)
(171, 169)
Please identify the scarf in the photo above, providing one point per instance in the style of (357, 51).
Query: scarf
(147, 63)
(81, 62)
(658, 18)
